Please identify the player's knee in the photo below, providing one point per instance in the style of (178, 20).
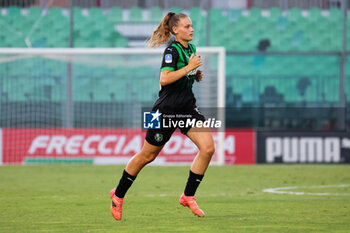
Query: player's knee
(211, 150)
(208, 150)
(149, 157)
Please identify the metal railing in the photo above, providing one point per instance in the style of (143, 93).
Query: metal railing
(302, 4)
(188, 4)
(165, 4)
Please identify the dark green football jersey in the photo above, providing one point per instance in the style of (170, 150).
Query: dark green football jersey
(177, 96)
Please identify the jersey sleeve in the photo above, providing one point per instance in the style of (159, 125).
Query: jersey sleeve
(170, 58)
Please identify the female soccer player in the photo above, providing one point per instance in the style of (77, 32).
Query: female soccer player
(178, 72)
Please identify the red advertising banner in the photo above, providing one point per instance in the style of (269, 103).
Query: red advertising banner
(110, 146)
(243, 149)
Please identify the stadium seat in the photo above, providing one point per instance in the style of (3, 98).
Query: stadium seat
(81, 43)
(195, 13)
(175, 10)
(275, 14)
(55, 12)
(156, 14)
(108, 33)
(59, 43)
(335, 15)
(294, 15)
(13, 11)
(121, 42)
(115, 14)
(234, 14)
(216, 16)
(34, 13)
(314, 14)
(96, 13)
(135, 15)
(17, 42)
(255, 13)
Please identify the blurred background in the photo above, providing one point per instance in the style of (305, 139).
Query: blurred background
(287, 61)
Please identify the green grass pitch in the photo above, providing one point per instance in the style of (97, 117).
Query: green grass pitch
(68, 198)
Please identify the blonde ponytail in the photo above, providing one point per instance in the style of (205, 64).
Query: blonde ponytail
(163, 32)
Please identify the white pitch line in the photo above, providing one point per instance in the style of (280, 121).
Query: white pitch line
(281, 190)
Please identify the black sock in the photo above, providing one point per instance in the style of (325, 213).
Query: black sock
(124, 184)
(192, 183)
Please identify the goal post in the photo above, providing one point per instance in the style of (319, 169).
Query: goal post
(84, 104)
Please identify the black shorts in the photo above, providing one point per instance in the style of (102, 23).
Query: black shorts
(158, 137)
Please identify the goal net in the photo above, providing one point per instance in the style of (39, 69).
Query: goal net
(85, 105)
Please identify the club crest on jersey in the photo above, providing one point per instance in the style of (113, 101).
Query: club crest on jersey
(158, 137)
(168, 58)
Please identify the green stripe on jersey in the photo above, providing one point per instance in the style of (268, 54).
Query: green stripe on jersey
(179, 50)
(167, 68)
(192, 47)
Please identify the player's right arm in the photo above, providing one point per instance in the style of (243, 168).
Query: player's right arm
(170, 75)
